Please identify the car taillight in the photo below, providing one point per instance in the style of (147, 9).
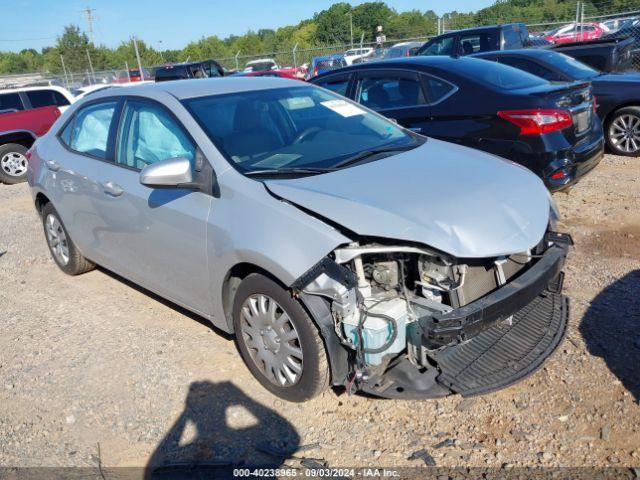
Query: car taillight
(315, 71)
(538, 121)
(595, 104)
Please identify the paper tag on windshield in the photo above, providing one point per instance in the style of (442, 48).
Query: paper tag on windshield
(343, 108)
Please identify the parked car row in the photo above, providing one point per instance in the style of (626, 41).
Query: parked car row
(339, 247)
(550, 128)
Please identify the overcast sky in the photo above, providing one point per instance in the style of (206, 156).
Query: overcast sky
(170, 24)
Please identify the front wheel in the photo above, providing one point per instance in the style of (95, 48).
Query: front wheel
(13, 163)
(278, 341)
(623, 132)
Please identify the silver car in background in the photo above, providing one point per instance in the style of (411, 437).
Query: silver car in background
(339, 248)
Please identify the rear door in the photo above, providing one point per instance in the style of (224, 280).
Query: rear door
(396, 94)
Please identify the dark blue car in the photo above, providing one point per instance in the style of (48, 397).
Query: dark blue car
(617, 94)
(549, 128)
(320, 65)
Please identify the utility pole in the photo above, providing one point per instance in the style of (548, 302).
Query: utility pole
(64, 70)
(93, 74)
(135, 47)
(351, 26)
(89, 13)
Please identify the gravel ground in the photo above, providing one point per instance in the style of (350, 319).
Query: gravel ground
(93, 369)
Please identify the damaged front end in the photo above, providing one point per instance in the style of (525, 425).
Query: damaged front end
(411, 322)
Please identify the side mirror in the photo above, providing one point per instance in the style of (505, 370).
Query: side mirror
(169, 173)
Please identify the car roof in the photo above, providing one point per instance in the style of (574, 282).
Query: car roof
(483, 27)
(435, 62)
(327, 57)
(32, 89)
(202, 87)
(525, 52)
(261, 60)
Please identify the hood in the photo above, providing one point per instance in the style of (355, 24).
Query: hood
(460, 201)
(621, 77)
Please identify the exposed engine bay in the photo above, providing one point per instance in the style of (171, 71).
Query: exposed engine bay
(393, 302)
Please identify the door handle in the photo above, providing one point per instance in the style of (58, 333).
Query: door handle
(112, 189)
(51, 165)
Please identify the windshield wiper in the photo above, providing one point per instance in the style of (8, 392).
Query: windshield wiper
(358, 157)
(275, 172)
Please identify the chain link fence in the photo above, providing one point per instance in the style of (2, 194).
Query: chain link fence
(580, 21)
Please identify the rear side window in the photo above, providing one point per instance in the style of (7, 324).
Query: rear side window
(338, 85)
(390, 91)
(444, 46)
(480, 42)
(10, 102)
(89, 131)
(512, 39)
(437, 90)
(46, 98)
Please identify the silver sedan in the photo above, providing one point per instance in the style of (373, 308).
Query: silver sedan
(338, 247)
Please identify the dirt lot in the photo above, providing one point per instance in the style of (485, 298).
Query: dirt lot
(94, 369)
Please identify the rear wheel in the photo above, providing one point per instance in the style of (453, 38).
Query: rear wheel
(13, 163)
(62, 248)
(278, 341)
(623, 132)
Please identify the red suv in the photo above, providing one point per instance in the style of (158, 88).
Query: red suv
(26, 114)
(575, 32)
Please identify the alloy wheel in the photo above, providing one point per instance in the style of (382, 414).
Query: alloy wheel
(57, 239)
(14, 164)
(272, 340)
(624, 133)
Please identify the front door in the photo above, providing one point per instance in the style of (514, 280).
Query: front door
(155, 237)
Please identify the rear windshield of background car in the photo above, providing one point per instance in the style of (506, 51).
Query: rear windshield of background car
(564, 63)
(495, 75)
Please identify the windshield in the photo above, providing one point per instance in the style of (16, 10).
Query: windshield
(576, 69)
(293, 128)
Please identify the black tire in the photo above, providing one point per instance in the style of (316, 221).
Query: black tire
(76, 263)
(617, 146)
(6, 151)
(314, 378)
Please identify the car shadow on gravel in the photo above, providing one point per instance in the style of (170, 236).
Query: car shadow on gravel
(611, 330)
(167, 303)
(222, 429)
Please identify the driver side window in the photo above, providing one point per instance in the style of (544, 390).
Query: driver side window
(148, 134)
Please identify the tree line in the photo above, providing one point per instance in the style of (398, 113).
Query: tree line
(332, 26)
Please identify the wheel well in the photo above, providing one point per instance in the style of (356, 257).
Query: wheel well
(635, 103)
(41, 201)
(22, 138)
(231, 282)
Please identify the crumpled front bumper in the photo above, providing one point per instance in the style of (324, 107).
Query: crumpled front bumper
(476, 349)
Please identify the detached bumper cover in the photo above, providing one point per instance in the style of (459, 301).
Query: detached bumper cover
(470, 320)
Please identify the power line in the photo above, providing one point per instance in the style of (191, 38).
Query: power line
(25, 39)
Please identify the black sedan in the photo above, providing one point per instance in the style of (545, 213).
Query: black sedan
(617, 94)
(549, 128)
